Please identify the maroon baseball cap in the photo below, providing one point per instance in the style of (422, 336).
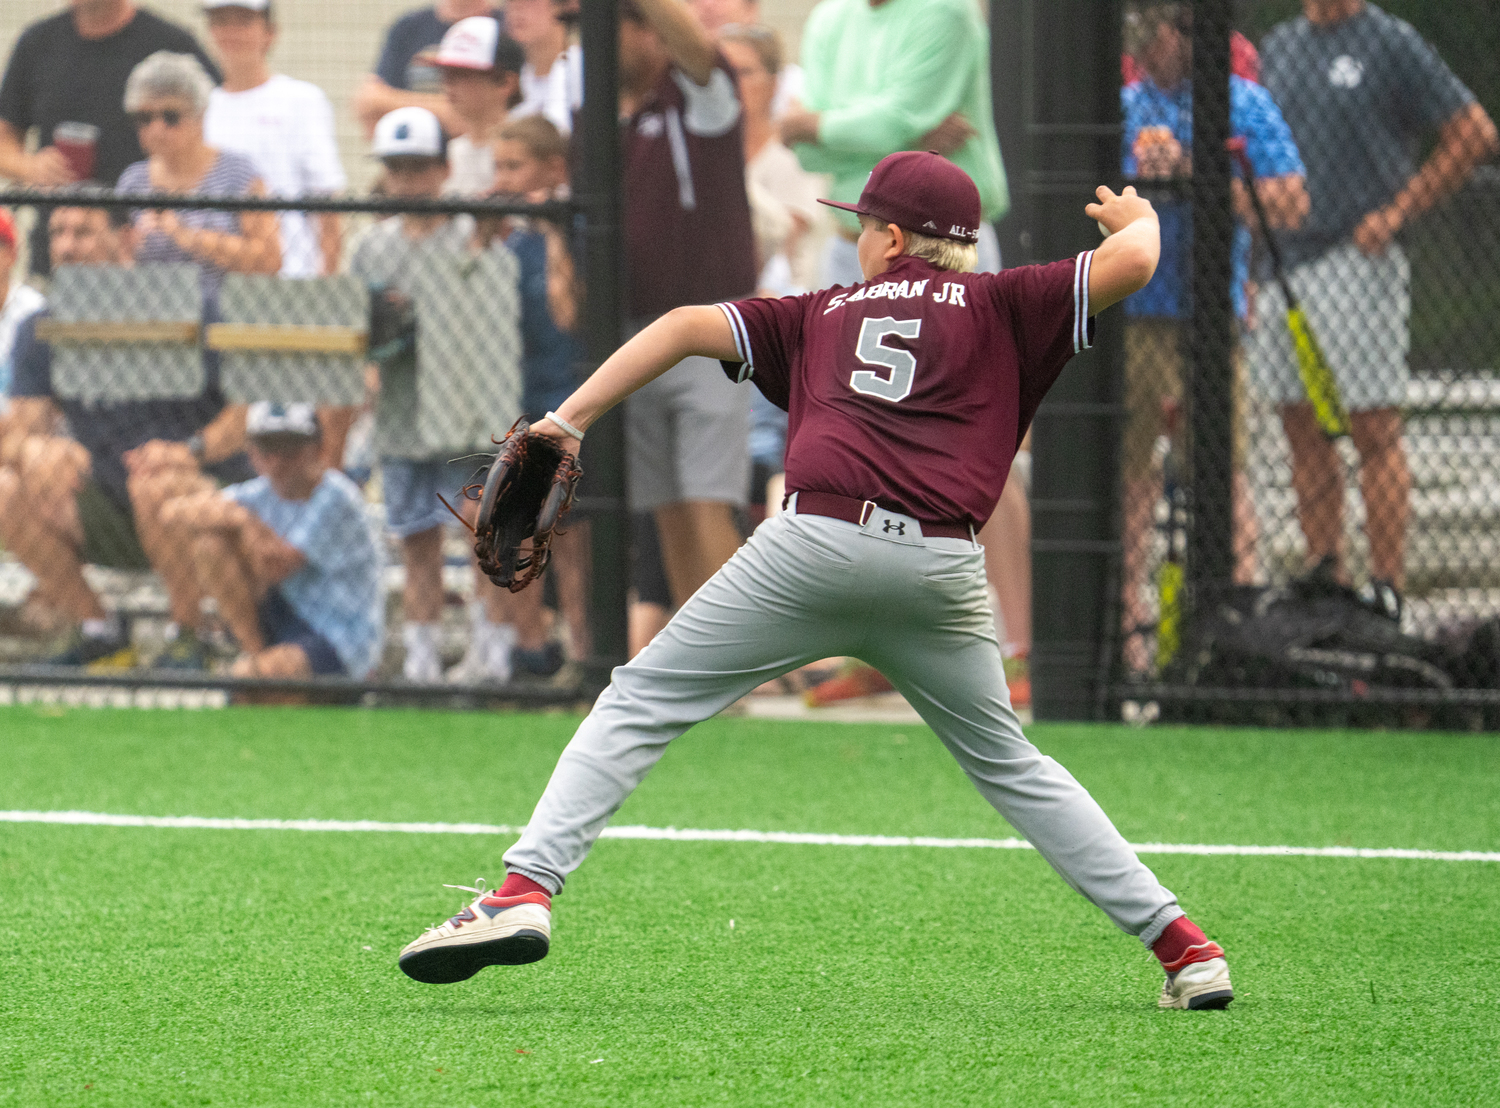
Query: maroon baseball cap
(922, 192)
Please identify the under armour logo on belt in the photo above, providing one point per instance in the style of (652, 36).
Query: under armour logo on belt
(898, 526)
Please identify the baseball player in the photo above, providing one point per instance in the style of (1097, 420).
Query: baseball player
(908, 395)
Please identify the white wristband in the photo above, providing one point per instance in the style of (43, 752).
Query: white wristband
(566, 427)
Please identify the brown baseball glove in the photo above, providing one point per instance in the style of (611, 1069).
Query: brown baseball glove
(527, 488)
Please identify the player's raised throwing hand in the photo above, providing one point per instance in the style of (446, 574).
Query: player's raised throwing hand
(1127, 259)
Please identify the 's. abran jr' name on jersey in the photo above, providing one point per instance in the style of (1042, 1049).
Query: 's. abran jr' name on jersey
(951, 293)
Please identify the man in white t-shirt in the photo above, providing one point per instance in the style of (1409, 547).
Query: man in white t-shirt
(552, 78)
(283, 125)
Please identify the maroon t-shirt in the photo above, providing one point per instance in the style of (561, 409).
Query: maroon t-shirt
(687, 219)
(914, 390)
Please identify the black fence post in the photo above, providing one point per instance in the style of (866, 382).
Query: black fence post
(597, 189)
(1211, 339)
(1059, 130)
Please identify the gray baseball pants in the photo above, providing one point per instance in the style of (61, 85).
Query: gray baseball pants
(806, 587)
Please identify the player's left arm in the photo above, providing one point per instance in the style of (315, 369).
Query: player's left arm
(679, 334)
(1125, 262)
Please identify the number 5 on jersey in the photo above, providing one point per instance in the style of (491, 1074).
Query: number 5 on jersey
(871, 351)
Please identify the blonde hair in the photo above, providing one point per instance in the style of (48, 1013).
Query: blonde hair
(538, 134)
(940, 253)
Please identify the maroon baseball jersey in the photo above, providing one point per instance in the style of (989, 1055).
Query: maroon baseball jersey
(687, 219)
(914, 390)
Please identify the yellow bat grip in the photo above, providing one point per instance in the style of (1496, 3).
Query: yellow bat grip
(1317, 378)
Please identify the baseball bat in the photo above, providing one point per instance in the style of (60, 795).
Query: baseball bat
(1318, 381)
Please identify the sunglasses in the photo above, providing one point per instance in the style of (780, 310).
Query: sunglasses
(170, 116)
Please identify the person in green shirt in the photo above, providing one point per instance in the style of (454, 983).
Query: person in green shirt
(888, 75)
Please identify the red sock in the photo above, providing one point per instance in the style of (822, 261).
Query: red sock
(1184, 943)
(518, 885)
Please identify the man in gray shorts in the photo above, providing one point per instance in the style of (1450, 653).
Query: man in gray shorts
(687, 241)
(1361, 91)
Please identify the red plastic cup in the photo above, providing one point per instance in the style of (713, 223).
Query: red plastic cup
(76, 142)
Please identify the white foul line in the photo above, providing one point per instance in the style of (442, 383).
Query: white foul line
(686, 834)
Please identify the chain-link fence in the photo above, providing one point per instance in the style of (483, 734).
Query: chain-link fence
(1308, 504)
(182, 420)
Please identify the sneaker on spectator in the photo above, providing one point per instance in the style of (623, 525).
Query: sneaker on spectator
(186, 652)
(422, 664)
(1384, 599)
(537, 663)
(96, 652)
(487, 661)
(858, 680)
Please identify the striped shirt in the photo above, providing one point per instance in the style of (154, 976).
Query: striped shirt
(231, 175)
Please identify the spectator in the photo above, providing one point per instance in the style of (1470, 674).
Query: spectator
(289, 556)
(409, 144)
(531, 164)
(66, 78)
(1244, 59)
(754, 53)
(481, 74)
(1362, 92)
(17, 302)
(716, 15)
(1157, 145)
(404, 74)
(95, 498)
(166, 96)
(888, 75)
(284, 126)
(552, 78)
(688, 240)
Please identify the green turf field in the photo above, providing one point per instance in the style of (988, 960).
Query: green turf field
(146, 966)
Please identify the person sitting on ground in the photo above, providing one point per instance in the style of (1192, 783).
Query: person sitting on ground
(409, 144)
(481, 71)
(95, 497)
(166, 96)
(289, 556)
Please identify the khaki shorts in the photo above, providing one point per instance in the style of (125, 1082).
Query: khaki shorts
(1153, 373)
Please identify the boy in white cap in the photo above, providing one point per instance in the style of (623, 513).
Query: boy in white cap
(481, 71)
(409, 143)
(289, 556)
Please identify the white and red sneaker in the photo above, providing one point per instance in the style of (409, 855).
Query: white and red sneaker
(1198, 980)
(492, 931)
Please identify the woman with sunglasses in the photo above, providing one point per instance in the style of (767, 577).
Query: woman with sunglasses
(165, 98)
